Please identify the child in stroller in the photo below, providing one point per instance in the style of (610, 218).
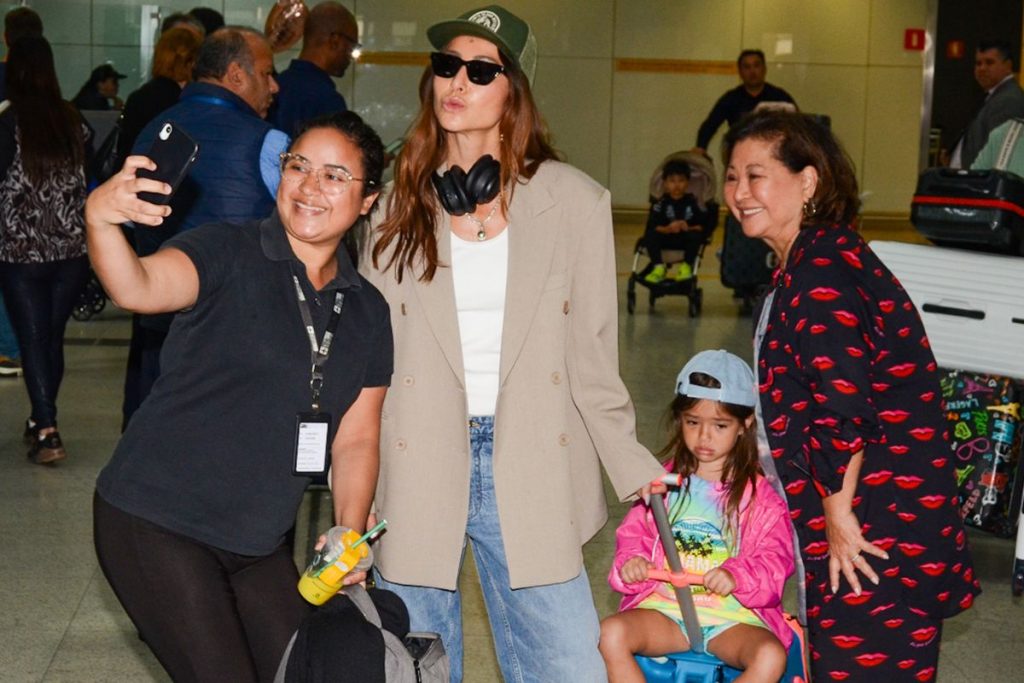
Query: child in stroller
(682, 217)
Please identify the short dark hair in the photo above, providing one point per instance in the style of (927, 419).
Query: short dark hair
(1001, 46)
(352, 126)
(223, 47)
(799, 141)
(20, 22)
(747, 53)
(181, 19)
(210, 18)
(676, 167)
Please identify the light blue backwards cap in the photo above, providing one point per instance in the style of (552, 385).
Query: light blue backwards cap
(733, 374)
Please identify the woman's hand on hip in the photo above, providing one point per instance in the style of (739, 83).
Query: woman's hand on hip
(848, 549)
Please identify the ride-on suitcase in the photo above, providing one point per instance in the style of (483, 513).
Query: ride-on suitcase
(978, 210)
(697, 665)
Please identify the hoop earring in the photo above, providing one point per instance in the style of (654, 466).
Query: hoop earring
(809, 208)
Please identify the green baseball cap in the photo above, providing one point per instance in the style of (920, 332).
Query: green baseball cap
(511, 34)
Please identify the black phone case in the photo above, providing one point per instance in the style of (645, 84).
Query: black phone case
(173, 152)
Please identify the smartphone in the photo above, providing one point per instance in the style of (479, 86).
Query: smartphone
(173, 152)
(393, 146)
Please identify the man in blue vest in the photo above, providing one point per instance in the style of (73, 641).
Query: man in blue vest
(235, 177)
(331, 35)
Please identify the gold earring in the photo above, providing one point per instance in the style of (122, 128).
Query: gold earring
(809, 208)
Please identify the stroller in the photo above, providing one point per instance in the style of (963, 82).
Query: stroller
(697, 665)
(703, 185)
(91, 300)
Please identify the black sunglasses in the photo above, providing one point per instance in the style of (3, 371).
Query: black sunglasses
(477, 70)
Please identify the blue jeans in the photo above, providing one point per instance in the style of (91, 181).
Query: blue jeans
(541, 633)
(8, 342)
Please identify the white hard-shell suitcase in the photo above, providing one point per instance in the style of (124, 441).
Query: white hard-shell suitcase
(972, 305)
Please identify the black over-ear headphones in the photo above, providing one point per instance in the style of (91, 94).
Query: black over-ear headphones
(460, 192)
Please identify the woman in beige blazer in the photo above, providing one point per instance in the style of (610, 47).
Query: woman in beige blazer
(506, 397)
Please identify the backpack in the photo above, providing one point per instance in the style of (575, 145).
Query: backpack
(419, 657)
(106, 162)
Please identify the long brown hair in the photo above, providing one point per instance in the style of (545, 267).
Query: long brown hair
(413, 206)
(49, 129)
(741, 466)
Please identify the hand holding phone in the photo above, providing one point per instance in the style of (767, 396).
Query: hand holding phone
(173, 152)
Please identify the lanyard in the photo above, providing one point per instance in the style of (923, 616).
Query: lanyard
(216, 101)
(318, 352)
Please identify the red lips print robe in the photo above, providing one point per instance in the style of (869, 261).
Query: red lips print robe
(845, 366)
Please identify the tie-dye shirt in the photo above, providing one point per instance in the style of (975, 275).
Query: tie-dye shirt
(704, 543)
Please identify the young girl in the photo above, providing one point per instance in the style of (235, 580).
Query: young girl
(729, 525)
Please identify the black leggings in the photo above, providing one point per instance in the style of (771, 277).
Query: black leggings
(40, 298)
(207, 614)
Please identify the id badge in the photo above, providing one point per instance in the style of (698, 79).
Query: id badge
(311, 444)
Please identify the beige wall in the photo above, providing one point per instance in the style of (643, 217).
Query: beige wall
(614, 120)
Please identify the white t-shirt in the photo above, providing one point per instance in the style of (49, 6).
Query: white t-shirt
(480, 274)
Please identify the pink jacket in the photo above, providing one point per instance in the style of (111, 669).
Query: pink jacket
(760, 569)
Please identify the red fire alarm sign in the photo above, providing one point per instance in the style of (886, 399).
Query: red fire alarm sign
(913, 39)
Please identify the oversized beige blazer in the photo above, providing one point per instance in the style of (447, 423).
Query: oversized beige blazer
(562, 409)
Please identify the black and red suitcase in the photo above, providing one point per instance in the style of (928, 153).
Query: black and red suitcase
(977, 210)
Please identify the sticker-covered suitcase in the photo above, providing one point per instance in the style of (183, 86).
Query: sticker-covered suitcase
(983, 417)
(971, 209)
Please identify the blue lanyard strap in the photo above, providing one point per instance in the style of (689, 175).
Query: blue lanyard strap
(216, 101)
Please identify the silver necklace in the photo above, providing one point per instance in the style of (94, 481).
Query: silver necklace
(481, 233)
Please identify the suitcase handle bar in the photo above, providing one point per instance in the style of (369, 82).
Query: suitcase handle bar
(668, 544)
(939, 309)
(680, 580)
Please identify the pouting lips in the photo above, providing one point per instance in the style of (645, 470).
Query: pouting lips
(902, 369)
(932, 502)
(871, 658)
(847, 642)
(824, 294)
(908, 481)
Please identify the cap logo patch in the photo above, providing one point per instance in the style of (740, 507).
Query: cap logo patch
(488, 19)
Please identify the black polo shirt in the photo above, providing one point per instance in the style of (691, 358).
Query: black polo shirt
(209, 454)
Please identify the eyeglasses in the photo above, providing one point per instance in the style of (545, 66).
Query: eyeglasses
(477, 70)
(355, 46)
(332, 179)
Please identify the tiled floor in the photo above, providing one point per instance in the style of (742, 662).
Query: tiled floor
(59, 620)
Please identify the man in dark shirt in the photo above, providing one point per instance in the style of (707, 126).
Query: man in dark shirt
(234, 178)
(741, 99)
(330, 37)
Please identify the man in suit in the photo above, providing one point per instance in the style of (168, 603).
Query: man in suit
(993, 70)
